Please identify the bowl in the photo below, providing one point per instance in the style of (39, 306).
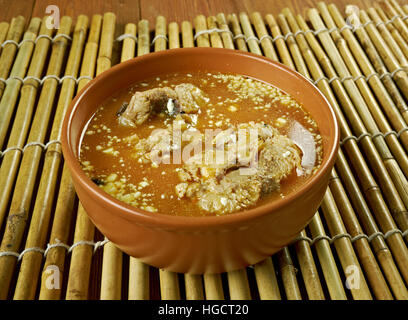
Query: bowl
(200, 245)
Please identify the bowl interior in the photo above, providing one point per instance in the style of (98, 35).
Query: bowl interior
(190, 60)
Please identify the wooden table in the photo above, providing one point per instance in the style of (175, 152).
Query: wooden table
(174, 10)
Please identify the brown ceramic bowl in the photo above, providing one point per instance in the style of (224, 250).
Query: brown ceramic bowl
(200, 244)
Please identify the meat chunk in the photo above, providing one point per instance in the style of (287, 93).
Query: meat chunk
(190, 97)
(243, 171)
(142, 104)
(185, 98)
(242, 163)
(156, 148)
(277, 160)
(232, 193)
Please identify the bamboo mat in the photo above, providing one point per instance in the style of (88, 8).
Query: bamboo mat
(354, 248)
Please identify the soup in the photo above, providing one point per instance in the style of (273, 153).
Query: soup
(200, 144)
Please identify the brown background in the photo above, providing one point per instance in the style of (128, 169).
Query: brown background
(174, 10)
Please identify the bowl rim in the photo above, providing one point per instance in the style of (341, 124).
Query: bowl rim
(163, 220)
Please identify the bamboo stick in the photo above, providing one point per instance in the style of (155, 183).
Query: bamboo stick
(11, 92)
(39, 125)
(194, 287)
(387, 172)
(66, 195)
(283, 50)
(288, 272)
(143, 38)
(330, 271)
(227, 41)
(266, 280)
(308, 268)
(138, 280)
(169, 285)
(187, 34)
(303, 251)
(289, 277)
(367, 258)
(22, 121)
(200, 24)
(80, 267)
(227, 35)
(266, 43)
(371, 101)
(393, 111)
(213, 287)
(31, 262)
(3, 33)
(236, 29)
(392, 30)
(174, 37)
(400, 77)
(374, 197)
(237, 281)
(397, 21)
(138, 271)
(380, 68)
(291, 43)
(59, 234)
(368, 183)
(161, 30)
(193, 283)
(238, 285)
(104, 60)
(215, 37)
(344, 247)
(25, 183)
(29, 89)
(396, 7)
(285, 262)
(9, 51)
(111, 279)
(7, 105)
(331, 275)
(129, 43)
(334, 286)
(388, 38)
(249, 34)
(377, 63)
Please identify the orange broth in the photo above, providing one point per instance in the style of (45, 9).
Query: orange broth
(227, 106)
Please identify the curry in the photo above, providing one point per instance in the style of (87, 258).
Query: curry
(200, 144)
